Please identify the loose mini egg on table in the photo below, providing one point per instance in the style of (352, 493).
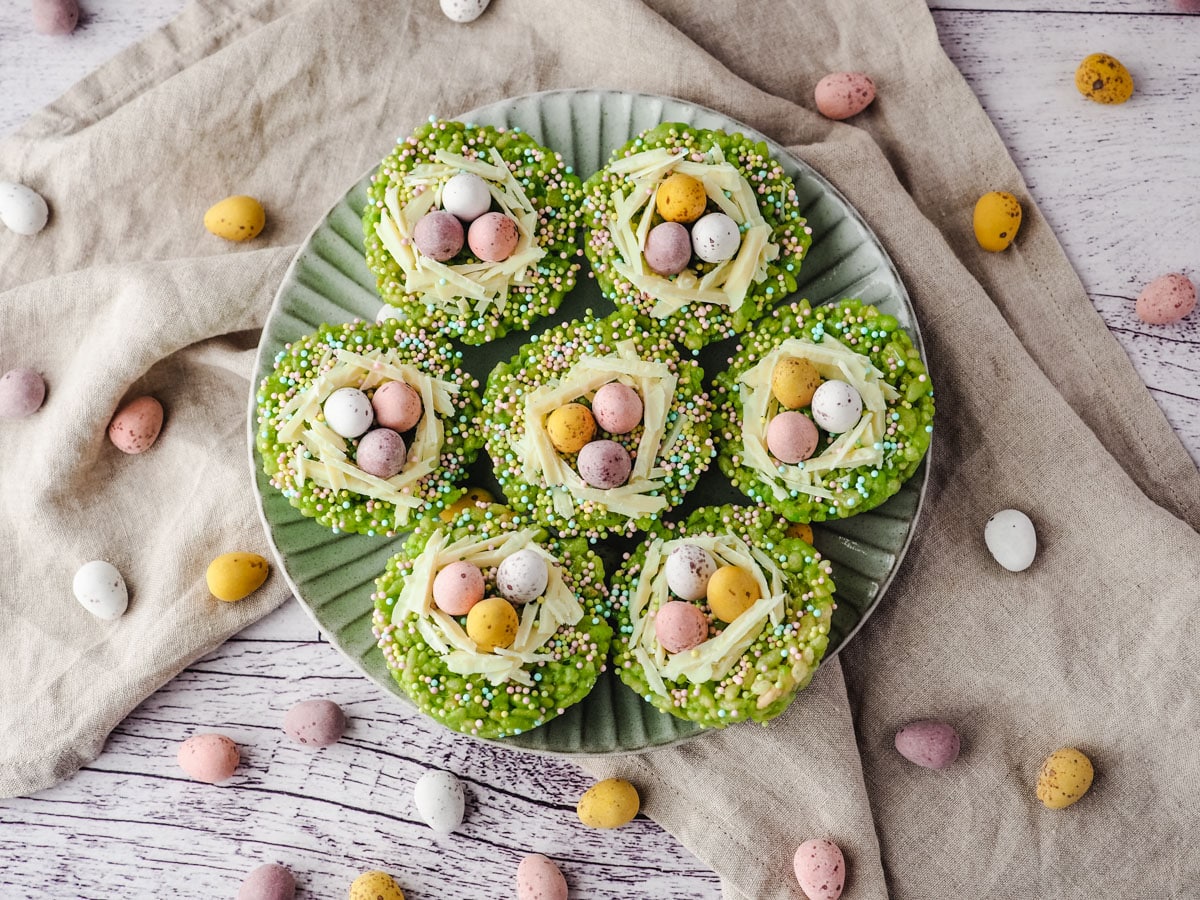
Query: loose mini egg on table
(440, 800)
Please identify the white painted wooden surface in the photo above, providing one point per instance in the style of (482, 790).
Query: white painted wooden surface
(1122, 189)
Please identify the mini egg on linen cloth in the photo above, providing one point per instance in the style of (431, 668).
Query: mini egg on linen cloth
(668, 248)
(680, 198)
(211, 758)
(731, 591)
(235, 576)
(570, 427)
(840, 95)
(522, 576)
(315, 723)
(792, 437)
(689, 568)
(101, 590)
(1011, 539)
(680, 626)
(1065, 777)
(538, 878)
(464, 11)
(55, 17)
(268, 882)
(458, 587)
(237, 218)
(820, 869)
(440, 800)
(716, 238)
(1104, 79)
(604, 464)
(375, 885)
(492, 623)
(466, 196)
(22, 209)
(996, 220)
(794, 380)
(493, 237)
(348, 412)
(608, 804)
(136, 425)
(381, 453)
(928, 743)
(438, 235)
(837, 406)
(22, 392)
(617, 408)
(397, 406)
(1166, 299)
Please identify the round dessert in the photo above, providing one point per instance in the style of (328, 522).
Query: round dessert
(507, 664)
(697, 229)
(723, 618)
(546, 416)
(857, 375)
(368, 428)
(470, 230)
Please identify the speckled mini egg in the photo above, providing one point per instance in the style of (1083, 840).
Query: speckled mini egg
(689, 569)
(794, 380)
(348, 412)
(570, 427)
(820, 869)
(792, 437)
(235, 576)
(1166, 299)
(315, 723)
(1065, 777)
(22, 209)
(609, 804)
(464, 11)
(376, 885)
(681, 198)
(538, 878)
(438, 235)
(604, 464)
(493, 237)
(1011, 539)
(469, 500)
(397, 406)
(1102, 78)
(466, 196)
(837, 406)
(440, 800)
(731, 591)
(522, 576)
(381, 453)
(136, 425)
(997, 220)
(680, 626)
(840, 95)
(928, 743)
(22, 392)
(800, 530)
(617, 408)
(101, 590)
(458, 587)
(668, 248)
(211, 758)
(492, 623)
(716, 238)
(55, 17)
(237, 218)
(268, 882)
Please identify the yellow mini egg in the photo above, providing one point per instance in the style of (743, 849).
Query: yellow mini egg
(466, 501)
(731, 591)
(997, 218)
(238, 218)
(1065, 777)
(609, 804)
(681, 198)
(794, 382)
(492, 623)
(233, 576)
(375, 886)
(571, 427)
(1102, 78)
(800, 530)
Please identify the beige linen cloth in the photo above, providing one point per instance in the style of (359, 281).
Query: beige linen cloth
(1094, 646)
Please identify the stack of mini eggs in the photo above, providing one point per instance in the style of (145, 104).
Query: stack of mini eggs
(394, 408)
(693, 575)
(681, 201)
(602, 463)
(460, 587)
(466, 200)
(836, 406)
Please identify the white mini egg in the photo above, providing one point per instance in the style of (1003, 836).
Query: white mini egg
(387, 312)
(467, 196)
(716, 238)
(1011, 538)
(463, 11)
(522, 576)
(837, 406)
(440, 800)
(689, 567)
(22, 209)
(348, 411)
(100, 589)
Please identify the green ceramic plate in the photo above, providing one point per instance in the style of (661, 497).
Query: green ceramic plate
(333, 575)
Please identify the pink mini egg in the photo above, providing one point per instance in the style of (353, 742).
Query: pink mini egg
(317, 723)
(538, 878)
(841, 95)
(604, 464)
(210, 758)
(22, 392)
(136, 425)
(680, 626)
(381, 453)
(493, 237)
(792, 437)
(397, 406)
(1166, 299)
(458, 587)
(269, 882)
(438, 235)
(617, 408)
(55, 17)
(668, 248)
(820, 869)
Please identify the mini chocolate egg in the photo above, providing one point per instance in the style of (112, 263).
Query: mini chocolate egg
(840, 95)
(348, 412)
(387, 313)
(820, 869)
(801, 530)
(438, 235)
(22, 392)
(101, 590)
(837, 406)
(469, 500)
(135, 426)
(440, 800)
(681, 198)
(1065, 777)
(458, 587)
(538, 878)
(211, 758)
(1011, 539)
(716, 238)
(268, 882)
(397, 406)
(381, 452)
(237, 218)
(22, 209)
(680, 626)
(1102, 78)
(315, 723)
(55, 17)
(376, 885)
(1166, 299)
(689, 568)
(492, 623)
(731, 591)
(466, 196)
(522, 576)
(617, 408)
(608, 804)
(794, 380)
(235, 576)
(464, 11)
(997, 220)
(493, 237)
(792, 437)
(928, 743)
(604, 464)
(570, 427)
(668, 248)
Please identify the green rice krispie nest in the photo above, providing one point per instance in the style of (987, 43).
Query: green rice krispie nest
(768, 653)
(670, 448)
(699, 305)
(495, 694)
(315, 468)
(467, 298)
(848, 473)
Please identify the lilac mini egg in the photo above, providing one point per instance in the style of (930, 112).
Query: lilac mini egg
(438, 235)
(522, 576)
(792, 437)
(689, 567)
(382, 453)
(21, 393)
(348, 412)
(397, 406)
(466, 196)
(317, 723)
(680, 626)
(604, 464)
(668, 248)
(493, 237)
(458, 587)
(617, 408)
(716, 238)
(269, 882)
